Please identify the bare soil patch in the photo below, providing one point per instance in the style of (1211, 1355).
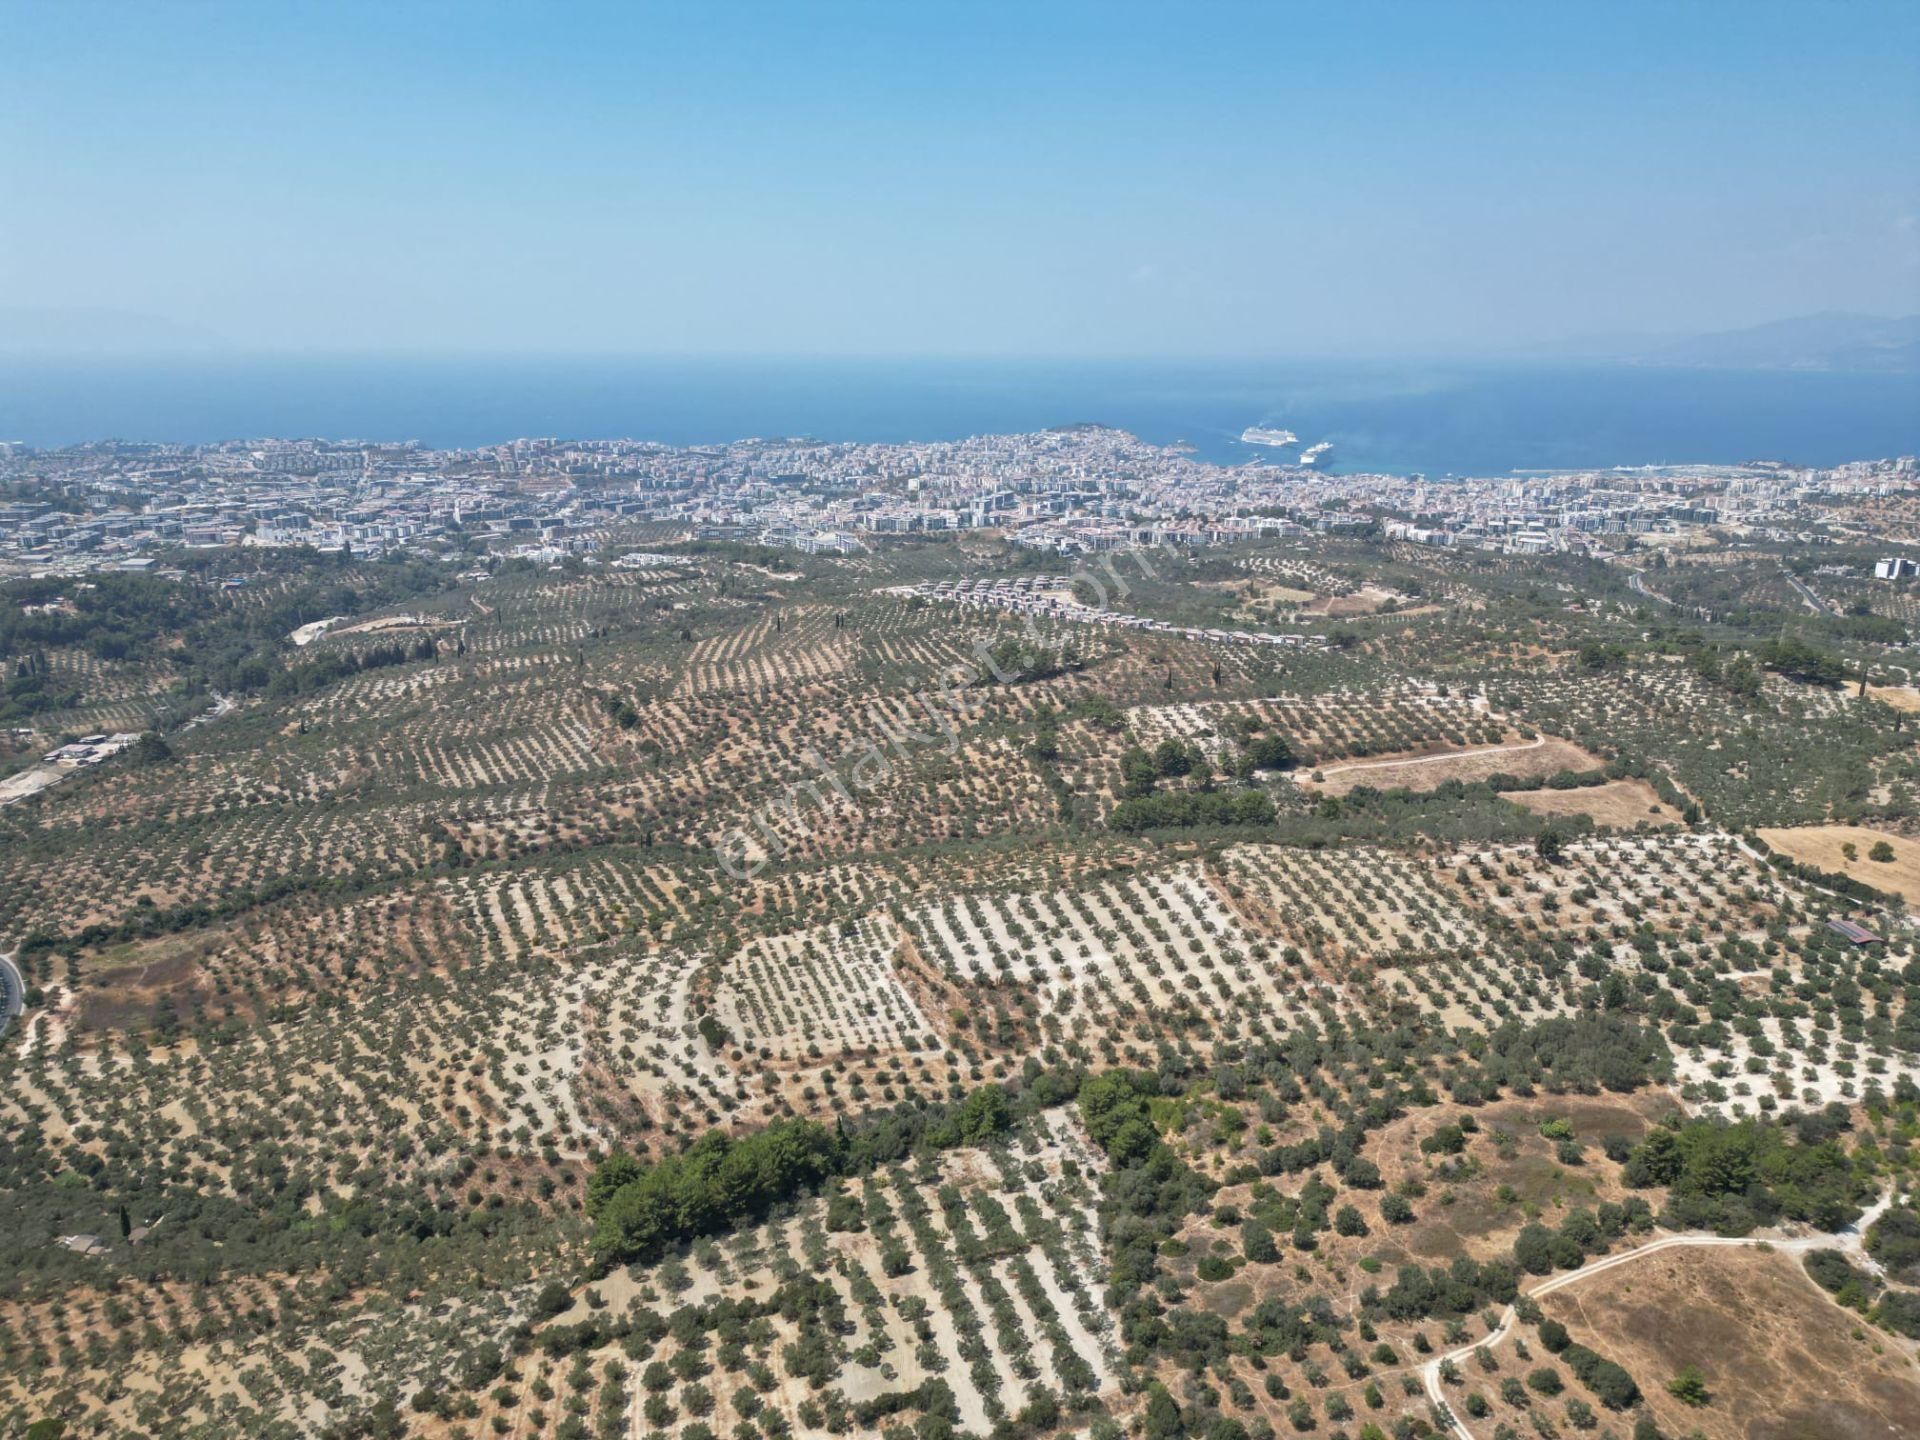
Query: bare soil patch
(1524, 759)
(30, 781)
(1824, 846)
(125, 984)
(1619, 804)
(1365, 601)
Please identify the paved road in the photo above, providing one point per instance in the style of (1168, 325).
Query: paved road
(1847, 1240)
(222, 705)
(1639, 587)
(1805, 592)
(13, 992)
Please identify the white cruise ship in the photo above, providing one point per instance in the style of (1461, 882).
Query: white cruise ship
(1260, 435)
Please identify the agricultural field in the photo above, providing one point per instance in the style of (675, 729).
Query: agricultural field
(1534, 759)
(1873, 857)
(762, 993)
(1614, 805)
(1333, 725)
(978, 1273)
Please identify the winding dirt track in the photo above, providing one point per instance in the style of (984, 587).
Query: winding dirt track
(1533, 744)
(1847, 1239)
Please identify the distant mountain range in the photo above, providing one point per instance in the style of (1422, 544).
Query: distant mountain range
(1833, 340)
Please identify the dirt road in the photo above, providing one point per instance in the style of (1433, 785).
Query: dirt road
(1847, 1240)
(1533, 744)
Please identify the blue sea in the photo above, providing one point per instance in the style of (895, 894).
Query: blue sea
(1433, 418)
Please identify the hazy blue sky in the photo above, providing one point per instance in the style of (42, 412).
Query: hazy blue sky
(1056, 179)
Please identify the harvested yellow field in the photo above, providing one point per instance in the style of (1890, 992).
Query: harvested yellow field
(1825, 846)
(1900, 697)
(1617, 805)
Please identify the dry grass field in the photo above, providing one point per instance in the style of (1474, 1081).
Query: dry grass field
(1900, 697)
(1366, 601)
(1616, 805)
(1781, 1360)
(1542, 756)
(1824, 846)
